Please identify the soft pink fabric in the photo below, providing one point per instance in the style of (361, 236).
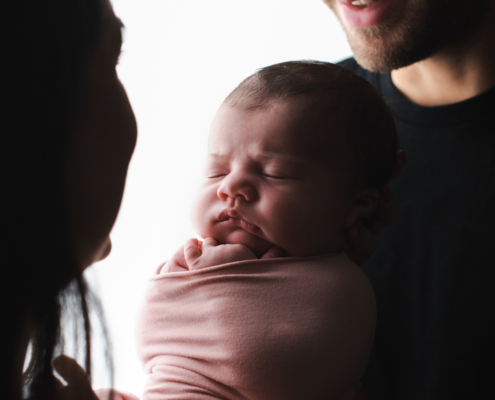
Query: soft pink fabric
(290, 328)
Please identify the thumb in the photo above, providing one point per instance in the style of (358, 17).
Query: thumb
(78, 386)
(209, 242)
(70, 370)
(273, 252)
(192, 251)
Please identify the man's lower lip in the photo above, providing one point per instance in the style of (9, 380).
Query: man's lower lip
(368, 16)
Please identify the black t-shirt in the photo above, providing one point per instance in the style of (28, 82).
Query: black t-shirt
(434, 269)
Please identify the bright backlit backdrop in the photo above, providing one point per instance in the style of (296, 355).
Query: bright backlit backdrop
(180, 60)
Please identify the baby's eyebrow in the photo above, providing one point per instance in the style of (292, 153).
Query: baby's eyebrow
(266, 155)
(216, 156)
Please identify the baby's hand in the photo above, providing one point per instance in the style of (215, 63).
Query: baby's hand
(209, 253)
(196, 255)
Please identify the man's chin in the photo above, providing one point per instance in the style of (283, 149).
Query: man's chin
(376, 52)
(420, 30)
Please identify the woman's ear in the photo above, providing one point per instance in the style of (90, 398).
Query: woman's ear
(364, 206)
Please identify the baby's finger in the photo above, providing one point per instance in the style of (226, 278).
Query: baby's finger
(192, 251)
(273, 252)
(210, 242)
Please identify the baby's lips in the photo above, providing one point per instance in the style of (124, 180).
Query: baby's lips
(233, 215)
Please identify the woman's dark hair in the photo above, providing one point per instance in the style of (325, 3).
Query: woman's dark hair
(44, 51)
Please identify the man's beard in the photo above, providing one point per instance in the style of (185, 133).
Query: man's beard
(423, 30)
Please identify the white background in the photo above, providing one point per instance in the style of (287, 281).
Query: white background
(181, 59)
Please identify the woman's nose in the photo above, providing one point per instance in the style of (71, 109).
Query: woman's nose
(237, 186)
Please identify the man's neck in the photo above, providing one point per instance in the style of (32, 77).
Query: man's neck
(454, 75)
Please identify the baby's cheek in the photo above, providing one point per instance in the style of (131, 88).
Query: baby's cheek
(295, 232)
(287, 225)
(203, 212)
(199, 214)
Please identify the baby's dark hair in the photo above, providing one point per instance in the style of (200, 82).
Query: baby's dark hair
(347, 104)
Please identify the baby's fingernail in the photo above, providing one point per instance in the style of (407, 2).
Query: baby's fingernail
(386, 194)
(363, 395)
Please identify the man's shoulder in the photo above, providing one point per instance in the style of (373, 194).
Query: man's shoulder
(352, 65)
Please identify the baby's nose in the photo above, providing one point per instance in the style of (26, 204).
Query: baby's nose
(237, 186)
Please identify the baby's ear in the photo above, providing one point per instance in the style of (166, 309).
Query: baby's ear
(364, 206)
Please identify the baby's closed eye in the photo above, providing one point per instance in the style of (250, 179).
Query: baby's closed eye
(275, 176)
(280, 173)
(216, 175)
(216, 171)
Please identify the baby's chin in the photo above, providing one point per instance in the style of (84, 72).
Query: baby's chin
(254, 243)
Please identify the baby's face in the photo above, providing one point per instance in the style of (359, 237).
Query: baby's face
(265, 184)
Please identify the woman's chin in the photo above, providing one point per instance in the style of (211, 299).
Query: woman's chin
(104, 251)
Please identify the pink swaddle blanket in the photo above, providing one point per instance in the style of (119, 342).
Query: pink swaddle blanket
(287, 328)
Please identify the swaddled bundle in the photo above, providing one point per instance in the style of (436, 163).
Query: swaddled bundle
(298, 155)
(287, 328)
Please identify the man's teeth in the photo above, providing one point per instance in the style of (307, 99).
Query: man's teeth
(363, 3)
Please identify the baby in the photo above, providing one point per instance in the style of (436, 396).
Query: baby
(269, 306)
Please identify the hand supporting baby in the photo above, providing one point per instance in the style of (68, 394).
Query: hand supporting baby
(361, 240)
(197, 254)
